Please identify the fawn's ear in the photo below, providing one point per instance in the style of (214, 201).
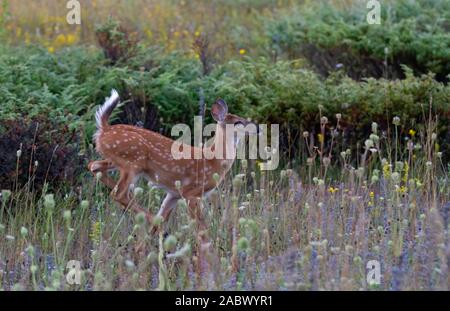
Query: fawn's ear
(219, 110)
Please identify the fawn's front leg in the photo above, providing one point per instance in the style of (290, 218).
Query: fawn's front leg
(203, 242)
(167, 207)
(103, 166)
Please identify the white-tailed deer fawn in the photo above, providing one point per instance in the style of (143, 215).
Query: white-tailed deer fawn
(136, 152)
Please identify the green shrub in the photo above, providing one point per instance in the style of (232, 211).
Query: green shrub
(159, 90)
(414, 33)
(38, 151)
(296, 98)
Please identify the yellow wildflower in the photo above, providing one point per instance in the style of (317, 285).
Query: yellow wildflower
(406, 172)
(51, 49)
(260, 164)
(386, 170)
(18, 32)
(320, 138)
(71, 38)
(60, 40)
(96, 231)
(197, 33)
(412, 132)
(333, 190)
(242, 51)
(402, 189)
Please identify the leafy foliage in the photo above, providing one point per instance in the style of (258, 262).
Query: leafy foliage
(159, 90)
(414, 33)
(37, 152)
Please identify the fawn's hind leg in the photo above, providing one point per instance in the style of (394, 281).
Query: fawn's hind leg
(121, 193)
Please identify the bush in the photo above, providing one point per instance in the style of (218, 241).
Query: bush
(68, 86)
(117, 42)
(38, 151)
(295, 98)
(159, 90)
(414, 33)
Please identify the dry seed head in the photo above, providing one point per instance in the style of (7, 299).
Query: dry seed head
(98, 176)
(374, 137)
(216, 177)
(368, 143)
(243, 244)
(374, 179)
(129, 264)
(399, 165)
(182, 203)
(84, 204)
(395, 178)
(244, 164)
(140, 218)
(178, 185)
(6, 194)
(33, 269)
(237, 181)
(360, 172)
(23, 232)
(157, 220)
(152, 258)
(49, 201)
(396, 121)
(374, 127)
(30, 250)
(170, 243)
(67, 215)
(9, 237)
(289, 173)
(138, 191)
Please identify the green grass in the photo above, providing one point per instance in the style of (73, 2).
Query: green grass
(300, 228)
(348, 191)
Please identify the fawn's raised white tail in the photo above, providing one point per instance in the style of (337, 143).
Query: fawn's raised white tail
(136, 152)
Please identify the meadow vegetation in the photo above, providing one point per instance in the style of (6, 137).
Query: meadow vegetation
(364, 118)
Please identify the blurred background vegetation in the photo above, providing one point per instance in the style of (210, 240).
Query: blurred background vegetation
(276, 61)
